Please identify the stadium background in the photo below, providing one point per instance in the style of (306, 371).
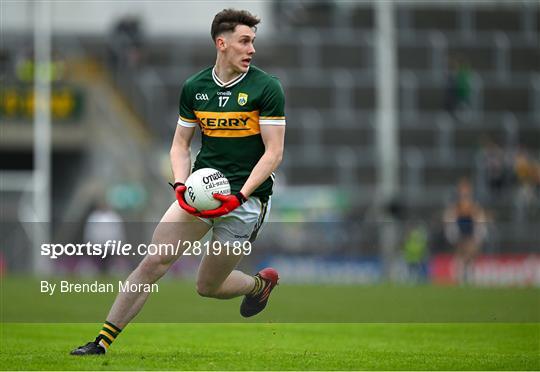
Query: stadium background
(362, 189)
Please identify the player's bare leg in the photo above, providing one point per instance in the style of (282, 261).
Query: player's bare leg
(217, 278)
(175, 225)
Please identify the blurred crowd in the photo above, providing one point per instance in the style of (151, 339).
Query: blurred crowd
(512, 174)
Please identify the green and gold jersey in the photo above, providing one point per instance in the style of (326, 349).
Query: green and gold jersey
(230, 116)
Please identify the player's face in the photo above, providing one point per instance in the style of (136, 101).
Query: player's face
(239, 49)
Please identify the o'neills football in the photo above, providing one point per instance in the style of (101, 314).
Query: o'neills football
(202, 184)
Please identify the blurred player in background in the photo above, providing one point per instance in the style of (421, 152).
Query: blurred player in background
(240, 111)
(103, 224)
(465, 228)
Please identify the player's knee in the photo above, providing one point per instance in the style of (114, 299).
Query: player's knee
(155, 265)
(205, 289)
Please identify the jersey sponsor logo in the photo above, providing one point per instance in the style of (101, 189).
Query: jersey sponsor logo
(242, 99)
(229, 124)
(222, 123)
(201, 97)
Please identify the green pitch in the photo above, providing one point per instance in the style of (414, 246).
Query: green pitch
(278, 346)
(350, 327)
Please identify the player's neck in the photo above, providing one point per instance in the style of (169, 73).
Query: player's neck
(224, 72)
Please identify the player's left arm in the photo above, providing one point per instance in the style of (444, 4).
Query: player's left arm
(273, 137)
(272, 124)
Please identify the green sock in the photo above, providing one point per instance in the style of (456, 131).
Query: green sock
(259, 286)
(107, 335)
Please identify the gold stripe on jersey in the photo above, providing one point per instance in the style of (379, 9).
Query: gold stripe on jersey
(229, 124)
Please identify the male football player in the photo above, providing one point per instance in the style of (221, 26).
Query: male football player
(240, 112)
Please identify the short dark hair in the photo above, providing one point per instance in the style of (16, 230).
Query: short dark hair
(228, 19)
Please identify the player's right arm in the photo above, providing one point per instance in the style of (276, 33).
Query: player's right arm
(181, 153)
(185, 128)
(181, 164)
(180, 150)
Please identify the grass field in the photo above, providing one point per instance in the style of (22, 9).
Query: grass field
(279, 346)
(350, 327)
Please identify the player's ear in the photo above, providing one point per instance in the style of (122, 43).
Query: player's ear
(220, 43)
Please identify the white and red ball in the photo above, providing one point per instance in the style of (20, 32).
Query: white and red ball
(202, 184)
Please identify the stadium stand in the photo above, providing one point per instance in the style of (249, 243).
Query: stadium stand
(323, 54)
